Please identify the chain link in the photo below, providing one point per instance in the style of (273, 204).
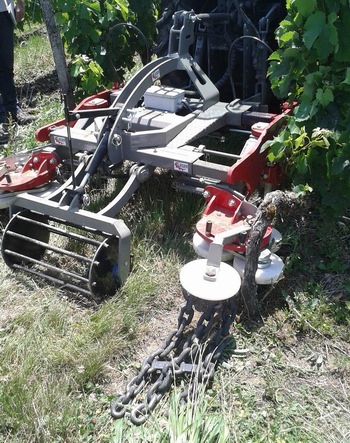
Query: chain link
(193, 352)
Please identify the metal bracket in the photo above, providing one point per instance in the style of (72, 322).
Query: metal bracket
(216, 247)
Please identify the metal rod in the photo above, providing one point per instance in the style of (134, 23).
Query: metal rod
(63, 232)
(46, 265)
(54, 280)
(50, 247)
(69, 137)
(221, 154)
(240, 131)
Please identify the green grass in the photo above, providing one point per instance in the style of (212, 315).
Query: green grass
(284, 378)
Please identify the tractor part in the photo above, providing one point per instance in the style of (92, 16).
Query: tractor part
(101, 100)
(207, 283)
(95, 249)
(210, 279)
(225, 211)
(32, 172)
(270, 267)
(230, 216)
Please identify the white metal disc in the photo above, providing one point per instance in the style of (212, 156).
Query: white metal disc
(226, 285)
(263, 276)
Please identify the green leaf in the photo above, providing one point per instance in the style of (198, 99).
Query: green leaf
(313, 28)
(275, 57)
(294, 128)
(299, 141)
(305, 111)
(302, 165)
(308, 92)
(302, 189)
(95, 6)
(333, 33)
(288, 36)
(324, 46)
(291, 53)
(305, 7)
(346, 80)
(324, 96)
(339, 164)
(343, 26)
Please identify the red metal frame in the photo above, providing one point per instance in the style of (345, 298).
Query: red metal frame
(224, 210)
(250, 169)
(39, 169)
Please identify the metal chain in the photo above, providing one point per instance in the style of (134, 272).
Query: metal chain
(195, 353)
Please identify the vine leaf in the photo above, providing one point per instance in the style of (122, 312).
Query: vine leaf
(305, 8)
(324, 96)
(313, 28)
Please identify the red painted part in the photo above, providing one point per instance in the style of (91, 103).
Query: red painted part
(249, 168)
(272, 173)
(97, 101)
(39, 169)
(224, 211)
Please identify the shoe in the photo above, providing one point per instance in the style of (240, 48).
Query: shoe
(4, 134)
(23, 118)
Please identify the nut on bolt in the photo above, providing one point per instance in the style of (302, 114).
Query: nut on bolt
(210, 271)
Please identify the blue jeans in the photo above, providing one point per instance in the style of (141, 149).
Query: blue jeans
(8, 104)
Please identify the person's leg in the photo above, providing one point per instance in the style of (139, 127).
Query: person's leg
(7, 86)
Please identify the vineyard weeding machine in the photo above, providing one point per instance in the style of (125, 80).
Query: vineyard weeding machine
(149, 123)
(152, 126)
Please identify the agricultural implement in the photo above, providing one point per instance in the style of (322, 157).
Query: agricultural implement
(149, 123)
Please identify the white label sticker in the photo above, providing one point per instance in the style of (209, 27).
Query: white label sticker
(59, 140)
(155, 75)
(180, 166)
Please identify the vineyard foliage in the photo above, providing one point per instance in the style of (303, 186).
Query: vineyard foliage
(101, 38)
(312, 69)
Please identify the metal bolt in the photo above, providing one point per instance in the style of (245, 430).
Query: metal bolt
(249, 219)
(206, 194)
(232, 203)
(264, 260)
(86, 199)
(208, 227)
(117, 140)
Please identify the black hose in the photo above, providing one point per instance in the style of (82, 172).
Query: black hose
(242, 37)
(135, 28)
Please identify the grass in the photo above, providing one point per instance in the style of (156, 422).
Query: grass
(284, 378)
